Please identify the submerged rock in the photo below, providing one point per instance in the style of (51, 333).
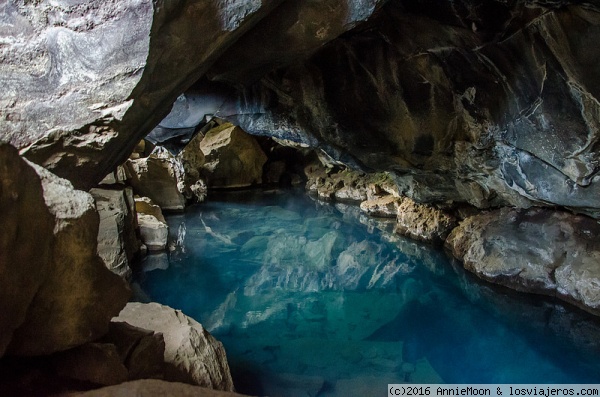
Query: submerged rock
(549, 252)
(232, 158)
(192, 355)
(74, 294)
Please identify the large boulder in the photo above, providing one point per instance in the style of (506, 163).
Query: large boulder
(232, 158)
(192, 355)
(69, 298)
(117, 240)
(156, 177)
(192, 160)
(25, 240)
(548, 252)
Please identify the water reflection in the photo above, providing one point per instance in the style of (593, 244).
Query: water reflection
(315, 299)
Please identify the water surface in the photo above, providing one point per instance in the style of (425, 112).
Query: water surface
(314, 299)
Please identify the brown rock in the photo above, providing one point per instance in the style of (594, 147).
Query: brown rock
(192, 160)
(79, 294)
(156, 388)
(423, 222)
(542, 251)
(25, 240)
(383, 207)
(233, 158)
(192, 355)
(92, 362)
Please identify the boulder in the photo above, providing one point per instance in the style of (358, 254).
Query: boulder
(25, 240)
(192, 160)
(192, 355)
(423, 222)
(156, 177)
(157, 388)
(542, 251)
(75, 294)
(233, 158)
(117, 240)
(153, 232)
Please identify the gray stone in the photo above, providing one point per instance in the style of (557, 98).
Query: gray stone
(541, 251)
(192, 355)
(423, 222)
(384, 207)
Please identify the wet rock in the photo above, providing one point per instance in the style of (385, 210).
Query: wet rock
(549, 252)
(383, 207)
(78, 294)
(117, 240)
(153, 232)
(233, 158)
(156, 178)
(423, 222)
(25, 240)
(192, 355)
(157, 388)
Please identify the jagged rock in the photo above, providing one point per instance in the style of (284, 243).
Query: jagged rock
(76, 294)
(156, 178)
(192, 355)
(541, 251)
(119, 176)
(157, 388)
(232, 158)
(423, 222)
(25, 240)
(117, 241)
(384, 207)
(153, 232)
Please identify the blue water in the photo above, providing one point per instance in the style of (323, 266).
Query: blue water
(314, 299)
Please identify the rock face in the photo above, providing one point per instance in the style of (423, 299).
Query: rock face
(117, 240)
(156, 178)
(548, 252)
(497, 104)
(192, 355)
(232, 158)
(23, 252)
(69, 298)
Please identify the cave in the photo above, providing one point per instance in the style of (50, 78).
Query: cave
(462, 136)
